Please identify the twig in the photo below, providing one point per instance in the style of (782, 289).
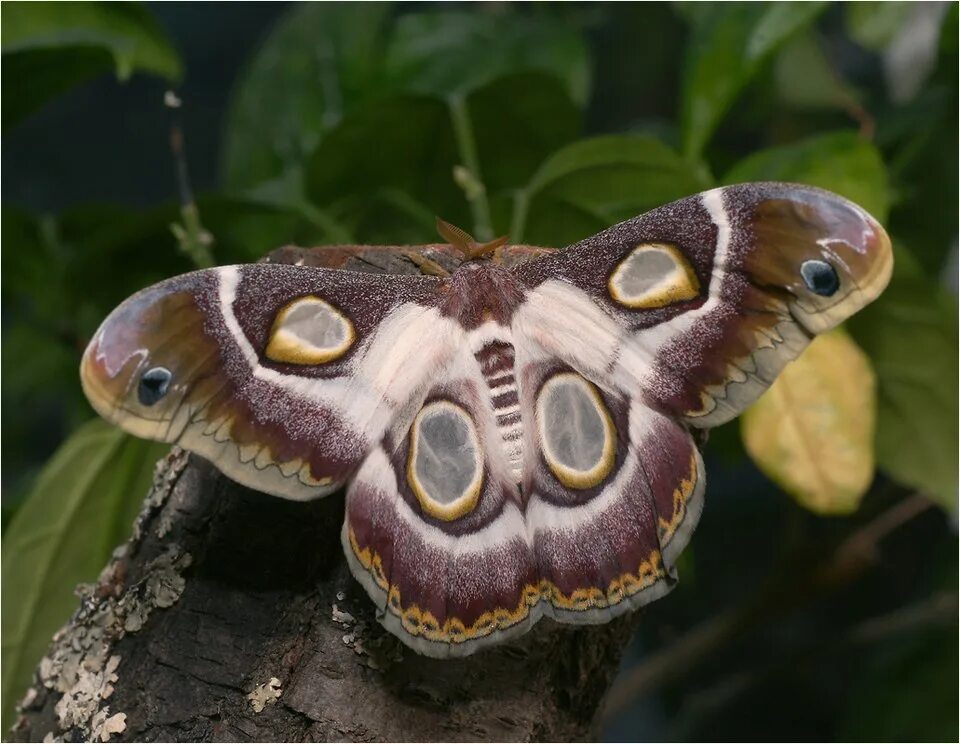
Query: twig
(468, 176)
(193, 239)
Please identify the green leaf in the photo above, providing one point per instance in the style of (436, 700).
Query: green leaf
(812, 432)
(446, 54)
(519, 120)
(910, 333)
(326, 61)
(589, 185)
(376, 178)
(80, 509)
(49, 47)
(729, 45)
(387, 183)
(805, 79)
(874, 24)
(841, 162)
(317, 64)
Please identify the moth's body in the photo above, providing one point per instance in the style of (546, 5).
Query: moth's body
(515, 441)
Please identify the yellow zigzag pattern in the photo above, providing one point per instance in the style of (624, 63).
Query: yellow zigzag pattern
(420, 622)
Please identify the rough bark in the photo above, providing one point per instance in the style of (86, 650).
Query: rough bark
(231, 615)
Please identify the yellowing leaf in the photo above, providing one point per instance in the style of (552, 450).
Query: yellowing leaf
(812, 431)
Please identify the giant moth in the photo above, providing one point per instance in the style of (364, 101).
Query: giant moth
(514, 439)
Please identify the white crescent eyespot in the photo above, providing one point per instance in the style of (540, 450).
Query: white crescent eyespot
(653, 275)
(576, 431)
(309, 330)
(445, 464)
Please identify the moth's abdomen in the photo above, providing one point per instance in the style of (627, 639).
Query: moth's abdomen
(496, 361)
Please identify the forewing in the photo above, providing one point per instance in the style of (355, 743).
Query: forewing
(283, 376)
(699, 304)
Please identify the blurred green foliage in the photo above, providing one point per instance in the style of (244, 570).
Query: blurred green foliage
(361, 122)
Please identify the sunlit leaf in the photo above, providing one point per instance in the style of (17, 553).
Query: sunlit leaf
(812, 431)
(841, 162)
(50, 47)
(592, 184)
(80, 509)
(911, 333)
(729, 45)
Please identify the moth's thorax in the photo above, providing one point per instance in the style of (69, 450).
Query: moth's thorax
(481, 291)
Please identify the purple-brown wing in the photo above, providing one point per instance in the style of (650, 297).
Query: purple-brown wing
(283, 376)
(699, 304)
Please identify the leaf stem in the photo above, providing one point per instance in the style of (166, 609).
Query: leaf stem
(191, 236)
(518, 223)
(469, 177)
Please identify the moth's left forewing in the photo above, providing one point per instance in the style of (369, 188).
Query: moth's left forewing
(283, 376)
(700, 304)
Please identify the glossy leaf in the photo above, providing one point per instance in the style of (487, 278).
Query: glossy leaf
(729, 45)
(911, 333)
(812, 432)
(594, 183)
(50, 47)
(841, 162)
(80, 509)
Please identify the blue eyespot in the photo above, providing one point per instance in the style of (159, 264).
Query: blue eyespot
(820, 277)
(153, 385)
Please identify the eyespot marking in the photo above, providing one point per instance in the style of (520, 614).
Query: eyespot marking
(576, 431)
(309, 330)
(153, 385)
(820, 277)
(445, 464)
(653, 275)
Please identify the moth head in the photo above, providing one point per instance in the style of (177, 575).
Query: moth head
(830, 256)
(134, 371)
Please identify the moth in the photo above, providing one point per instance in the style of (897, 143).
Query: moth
(515, 442)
